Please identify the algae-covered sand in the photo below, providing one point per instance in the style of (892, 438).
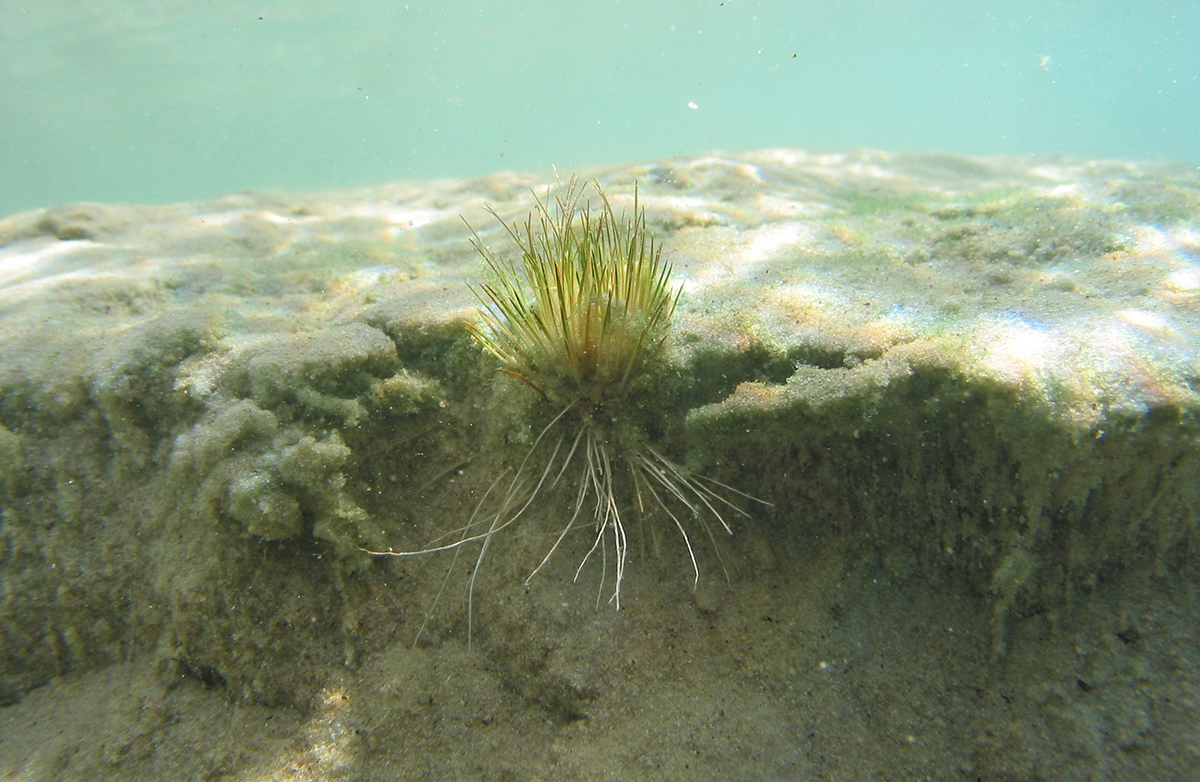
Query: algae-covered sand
(967, 388)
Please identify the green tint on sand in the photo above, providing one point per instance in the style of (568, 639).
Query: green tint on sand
(968, 388)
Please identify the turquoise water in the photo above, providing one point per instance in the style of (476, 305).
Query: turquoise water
(160, 101)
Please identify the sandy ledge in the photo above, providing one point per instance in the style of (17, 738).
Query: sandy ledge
(968, 387)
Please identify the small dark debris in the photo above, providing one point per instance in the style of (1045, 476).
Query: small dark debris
(209, 676)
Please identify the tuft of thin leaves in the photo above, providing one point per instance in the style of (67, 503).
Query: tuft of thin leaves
(579, 318)
(587, 307)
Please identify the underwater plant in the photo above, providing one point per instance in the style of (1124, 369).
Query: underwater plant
(580, 319)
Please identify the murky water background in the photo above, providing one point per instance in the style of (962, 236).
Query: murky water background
(162, 101)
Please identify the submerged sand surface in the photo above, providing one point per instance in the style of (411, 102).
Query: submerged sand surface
(965, 391)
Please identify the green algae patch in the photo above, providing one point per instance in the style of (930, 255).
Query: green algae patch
(271, 452)
(315, 375)
(12, 463)
(934, 470)
(1030, 231)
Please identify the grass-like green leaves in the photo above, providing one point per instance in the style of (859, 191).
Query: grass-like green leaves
(586, 309)
(579, 318)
